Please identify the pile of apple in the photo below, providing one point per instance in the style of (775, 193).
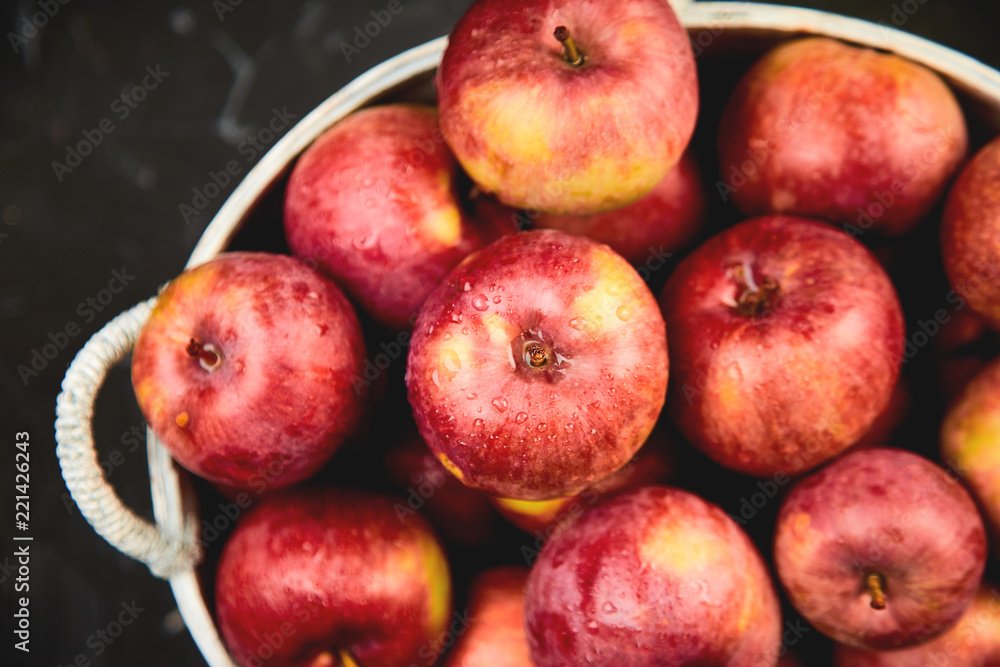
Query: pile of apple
(537, 365)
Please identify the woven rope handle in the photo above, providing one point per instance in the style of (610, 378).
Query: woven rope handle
(165, 555)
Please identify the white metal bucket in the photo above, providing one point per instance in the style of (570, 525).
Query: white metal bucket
(169, 547)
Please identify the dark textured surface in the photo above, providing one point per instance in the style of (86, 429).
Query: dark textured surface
(64, 236)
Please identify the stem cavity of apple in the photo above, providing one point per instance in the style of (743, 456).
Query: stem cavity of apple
(571, 54)
(535, 354)
(208, 355)
(535, 357)
(753, 299)
(875, 584)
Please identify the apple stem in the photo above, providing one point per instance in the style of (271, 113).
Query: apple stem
(754, 299)
(875, 584)
(572, 54)
(535, 354)
(208, 354)
(347, 658)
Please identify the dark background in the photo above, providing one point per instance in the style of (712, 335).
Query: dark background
(62, 237)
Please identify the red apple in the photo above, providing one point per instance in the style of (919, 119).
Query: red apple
(458, 513)
(970, 439)
(664, 221)
(652, 464)
(374, 203)
(657, 576)
(973, 642)
(244, 370)
(569, 106)
(845, 133)
(495, 637)
(970, 234)
(538, 367)
(786, 338)
(329, 578)
(880, 549)
(536, 516)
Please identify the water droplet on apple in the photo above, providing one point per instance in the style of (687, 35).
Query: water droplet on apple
(478, 424)
(497, 299)
(624, 313)
(521, 417)
(472, 395)
(446, 336)
(541, 426)
(609, 608)
(592, 627)
(480, 302)
(578, 323)
(452, 362)
(500, 403)
(456, 317)
(435, 380)
(467, 286)
(615, 288)
(465, 331)
(703, 589)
